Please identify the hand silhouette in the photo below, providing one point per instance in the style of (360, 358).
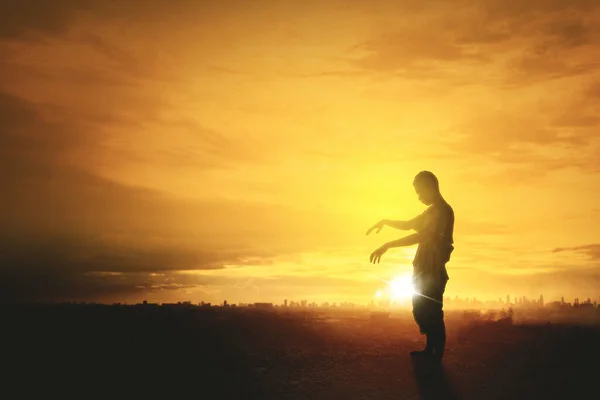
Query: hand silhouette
(377, 226)
(376, 255)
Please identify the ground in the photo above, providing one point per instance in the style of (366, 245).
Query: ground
(87, 351)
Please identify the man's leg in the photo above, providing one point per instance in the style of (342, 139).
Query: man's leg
(420, 315)
(437, 336)
(437, 339)
(429, 315)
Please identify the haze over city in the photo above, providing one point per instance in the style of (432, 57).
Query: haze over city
(237, 150)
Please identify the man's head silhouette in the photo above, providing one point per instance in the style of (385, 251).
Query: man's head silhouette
(427, 187)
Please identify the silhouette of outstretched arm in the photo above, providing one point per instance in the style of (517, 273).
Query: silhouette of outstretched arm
(401, 225)
(409, 240)
(426, 225)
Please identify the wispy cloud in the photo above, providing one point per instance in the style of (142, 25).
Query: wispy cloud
(591, 250)
(518, 45)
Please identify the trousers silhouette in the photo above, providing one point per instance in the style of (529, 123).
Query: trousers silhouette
(429, 314)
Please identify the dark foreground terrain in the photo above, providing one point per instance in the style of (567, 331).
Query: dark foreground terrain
(220, 353)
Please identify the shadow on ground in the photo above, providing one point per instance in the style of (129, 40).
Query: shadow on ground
(432, 380)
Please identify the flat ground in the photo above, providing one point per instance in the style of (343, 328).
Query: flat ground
(92, 351)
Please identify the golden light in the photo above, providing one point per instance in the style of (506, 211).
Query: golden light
(401, 287)
(378, 294)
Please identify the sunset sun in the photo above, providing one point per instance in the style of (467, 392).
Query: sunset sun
(398, 288)
(401, 287)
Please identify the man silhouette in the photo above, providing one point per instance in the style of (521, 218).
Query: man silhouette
(434, 236)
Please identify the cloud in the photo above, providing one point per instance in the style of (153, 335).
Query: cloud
(88, 224)
(502, 131)
(30, 19)
(424, 47)
(22, 17)
(349, 73)
(410, 50)
(61, 221)
(591, 250)
(520, 142)
(561, 49)
(54, 267)
(201, 147)
(568, 33)
(593, 91)
(531, 140)
(535, 68)
(506, 43)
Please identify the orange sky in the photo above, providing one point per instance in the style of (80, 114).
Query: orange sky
(239, 150)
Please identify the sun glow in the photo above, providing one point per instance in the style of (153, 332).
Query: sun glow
(399, 288)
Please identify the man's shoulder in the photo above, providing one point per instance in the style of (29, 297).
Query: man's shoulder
(442, 208)
(449, 209)
(442, 212)
(446, 208)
